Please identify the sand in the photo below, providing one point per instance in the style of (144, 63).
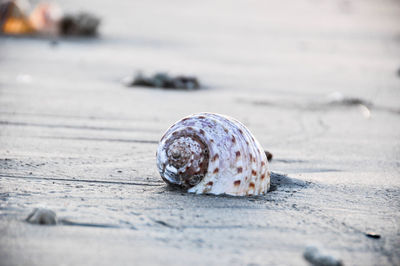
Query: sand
(316, 82)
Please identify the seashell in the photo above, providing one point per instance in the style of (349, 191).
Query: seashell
(209, 153)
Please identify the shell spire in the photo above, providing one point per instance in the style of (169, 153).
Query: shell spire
(209, 153)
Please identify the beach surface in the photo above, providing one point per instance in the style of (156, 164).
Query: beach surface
(316, 82)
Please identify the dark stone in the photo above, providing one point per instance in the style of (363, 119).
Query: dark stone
(163, 80)
(81, 24)
(373, 235)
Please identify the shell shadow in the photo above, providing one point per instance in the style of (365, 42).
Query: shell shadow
(278, 182)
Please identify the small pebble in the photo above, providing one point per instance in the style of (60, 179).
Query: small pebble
(42, 216)
(373, 235)
(314, 256)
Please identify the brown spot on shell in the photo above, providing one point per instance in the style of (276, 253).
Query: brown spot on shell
(226, 130)
(253, 172)
(241, 131)
(215, 170)
(237, 154)
(216, 156)
(208, 187)
(251, 157)
(252, 185)
(262, 176)
(202, 132)
(262, 163)
(189, 128)
(239, 169)
(236, 183)
(185, 119)
(211, 140)
(233, 139)
(202, 117)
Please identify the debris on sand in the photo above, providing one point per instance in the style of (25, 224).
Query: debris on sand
(163, 80)
(164, 223)
(42, 216)
(373, 235)
(338, 99)
(316, 258)
(13, 20)
(81, 24)
(46, 19)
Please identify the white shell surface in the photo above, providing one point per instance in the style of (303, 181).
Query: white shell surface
(237, 164)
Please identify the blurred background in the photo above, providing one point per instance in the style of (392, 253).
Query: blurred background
(301, 47)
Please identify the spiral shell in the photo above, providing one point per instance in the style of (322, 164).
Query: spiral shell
(213, 154)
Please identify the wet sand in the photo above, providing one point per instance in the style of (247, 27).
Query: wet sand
(73, 139)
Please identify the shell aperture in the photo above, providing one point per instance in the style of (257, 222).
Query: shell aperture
(208, 153)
